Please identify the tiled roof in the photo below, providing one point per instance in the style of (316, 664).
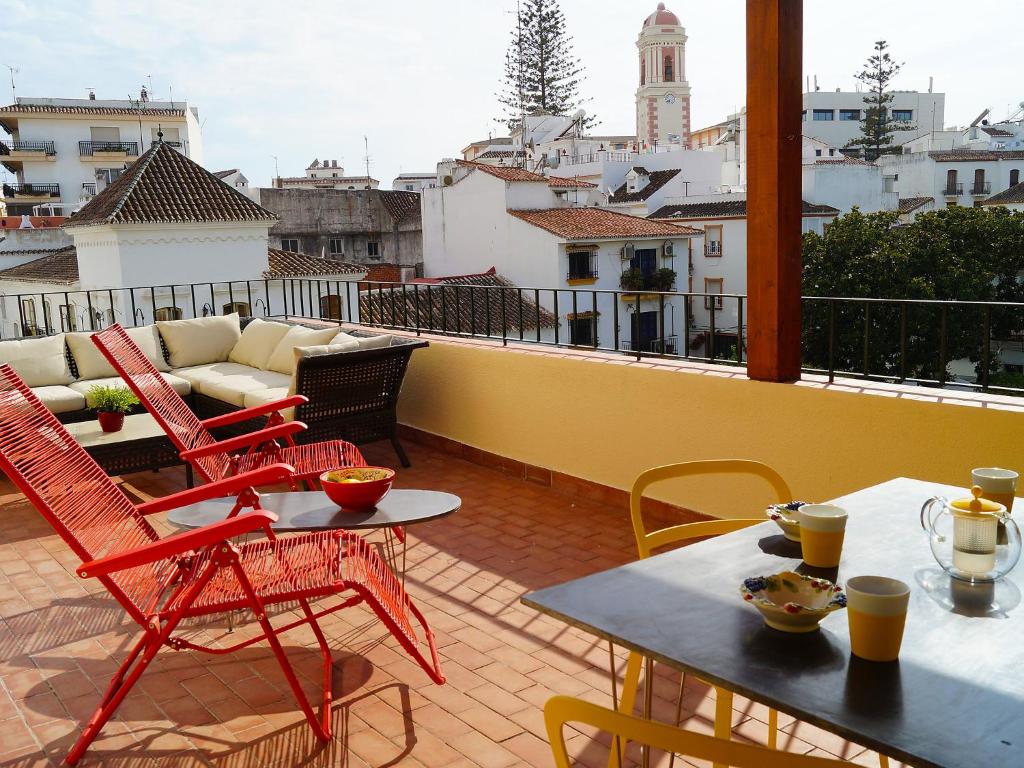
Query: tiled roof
(60, 109)
(443, 307)
(598, 223)
(1013, 195)
(841, 161)
(165, 187)
(727, 208)
(60, 267)
(403, 206)
(909, 204)
(564, 182)
(996, 131)
(291, 264)
(656, 181)
(325, 181)
(505, 172)
(975, 155)
(225, 174)
(500, 153)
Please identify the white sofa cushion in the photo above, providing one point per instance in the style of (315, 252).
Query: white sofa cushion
(270, 395)
(181, 386)
(40, 362)
(282, 359)
(259, 339)
(92, 364)
(365, 342)
(325, 349)
(201, 340)
(60, 399)
(230, 382)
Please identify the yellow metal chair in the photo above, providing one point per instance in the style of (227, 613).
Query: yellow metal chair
(646, 542)
(564, 709)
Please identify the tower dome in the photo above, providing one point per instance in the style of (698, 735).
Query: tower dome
(661, 17)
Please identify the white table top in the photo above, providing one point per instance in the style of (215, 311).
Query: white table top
(141, 426)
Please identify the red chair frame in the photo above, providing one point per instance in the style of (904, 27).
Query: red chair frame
(215, 459)
(161, 581)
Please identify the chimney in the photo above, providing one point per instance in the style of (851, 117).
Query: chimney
(334, 163)
(931, 81)
(26, 222)
(92, 95)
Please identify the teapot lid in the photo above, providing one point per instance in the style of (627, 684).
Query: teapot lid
(976, 504)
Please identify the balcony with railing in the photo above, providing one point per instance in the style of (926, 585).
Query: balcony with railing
(30, 191)
(108, 149)
(953, 189)
(713, 248)
(981, 188)
(17, 149)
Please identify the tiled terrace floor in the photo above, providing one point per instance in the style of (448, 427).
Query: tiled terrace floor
(60, 641)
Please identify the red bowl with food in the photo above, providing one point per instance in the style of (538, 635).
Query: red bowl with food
(357, 489)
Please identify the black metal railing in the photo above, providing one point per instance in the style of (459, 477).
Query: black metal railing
(16, 145)
(32, 190)
(981, 188)
(581, 274)
(967, 345)
(89, 148)
(953, 190)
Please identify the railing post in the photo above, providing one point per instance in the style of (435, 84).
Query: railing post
(986, 350)
(942, 346)
(867, 335)
(903, 341)
(831, 340)
(739, 330)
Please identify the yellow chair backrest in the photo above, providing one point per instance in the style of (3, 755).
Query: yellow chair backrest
(646, 542)
(565, 709)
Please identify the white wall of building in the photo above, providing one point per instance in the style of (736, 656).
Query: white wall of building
(844, 186)
(920, 175)
(927, 114)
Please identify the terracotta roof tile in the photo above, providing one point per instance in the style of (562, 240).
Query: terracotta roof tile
(61, 109)
(910, 204)
(656, 181)
(841, 161)
(564, 182)
(974, 155)
(1013, 195)
(725, 208)
(598, 223)
(493, 154)
(996, 131)
(505, 172)
(165, 187)
(224, 174)
(403, 206)
(325, 181)
(291, 264)
(59, 267)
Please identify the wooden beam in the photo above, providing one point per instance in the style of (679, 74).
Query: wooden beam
(774, 72)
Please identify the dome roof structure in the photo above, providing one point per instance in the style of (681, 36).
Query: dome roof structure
(661, 17)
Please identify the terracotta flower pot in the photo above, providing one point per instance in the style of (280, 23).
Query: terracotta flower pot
(110, 421)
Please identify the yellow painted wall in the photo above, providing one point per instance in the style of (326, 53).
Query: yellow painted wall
(606, 422)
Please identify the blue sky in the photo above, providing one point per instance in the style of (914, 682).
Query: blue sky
(310, 78)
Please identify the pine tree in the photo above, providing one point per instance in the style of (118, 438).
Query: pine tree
(542, 74)
(878, 128)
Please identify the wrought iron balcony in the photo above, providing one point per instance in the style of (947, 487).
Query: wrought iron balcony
(581, 274)
(31, 190)
(981, 188)
(713, 248)
(953, 190)
(90, 148)
(9, 146)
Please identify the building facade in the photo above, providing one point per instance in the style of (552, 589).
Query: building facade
(325, 174)
(835, 116)
(414, 182)
(60, 153)
(663, 95)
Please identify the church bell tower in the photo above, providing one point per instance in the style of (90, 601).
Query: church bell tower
(663, 98)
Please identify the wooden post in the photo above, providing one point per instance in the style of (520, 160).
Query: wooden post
(774, 71)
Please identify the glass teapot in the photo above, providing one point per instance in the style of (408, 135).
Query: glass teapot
(973, 539)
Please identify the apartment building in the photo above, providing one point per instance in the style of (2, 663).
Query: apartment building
(59, 153)
(325, 174)
(835, 116)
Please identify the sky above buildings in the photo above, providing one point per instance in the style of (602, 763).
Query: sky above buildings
(310, 79)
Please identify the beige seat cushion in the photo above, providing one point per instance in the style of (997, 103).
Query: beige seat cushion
(181, 386)
(364, 342)
(230, 382)
(270, 395)
(201, 340)
(60, 399)
(343, 342)
(259, 339)
(282, 359)
(40, 362)
(92, 364)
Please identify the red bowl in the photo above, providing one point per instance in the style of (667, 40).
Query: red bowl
(372, 486)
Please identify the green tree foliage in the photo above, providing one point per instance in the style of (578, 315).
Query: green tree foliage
(542, 74)
(966, 254)
(877, 127)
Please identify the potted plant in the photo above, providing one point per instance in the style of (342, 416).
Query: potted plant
(111, 404)
(663, 279)
(632, 280)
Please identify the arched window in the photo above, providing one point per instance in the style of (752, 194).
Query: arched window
(643, 70)
(330, 307)
(669, 73)
(951, 182)
(1014, 177)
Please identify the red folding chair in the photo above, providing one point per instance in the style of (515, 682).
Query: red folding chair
(215, 459)
(161, 581)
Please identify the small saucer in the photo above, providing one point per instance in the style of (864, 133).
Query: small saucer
(783, 515)
(792, 602)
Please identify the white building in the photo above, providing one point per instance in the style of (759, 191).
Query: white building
(165, 222)
(835, 116)
(663, 95)
(414, 182)
(61, 152)
(325, 174)
(952, 177)
(233, 177)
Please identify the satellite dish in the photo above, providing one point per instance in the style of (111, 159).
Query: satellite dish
(579, 114)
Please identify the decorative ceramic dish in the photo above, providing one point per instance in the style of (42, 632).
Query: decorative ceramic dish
(357, 488)
(785, 517)
(791, 602)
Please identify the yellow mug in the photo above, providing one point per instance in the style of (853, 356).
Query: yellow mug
(822, 530)
(998, 485)
(876, 608)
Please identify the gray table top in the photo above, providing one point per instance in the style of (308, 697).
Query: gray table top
(139, 426)
(955, 698)
(313, 511)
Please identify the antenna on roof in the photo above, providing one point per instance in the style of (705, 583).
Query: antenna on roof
(366, 159)
(14, 94)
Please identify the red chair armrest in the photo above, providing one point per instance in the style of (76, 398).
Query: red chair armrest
(245, 441)
(179, 544)
(271, 473)
(257, 410)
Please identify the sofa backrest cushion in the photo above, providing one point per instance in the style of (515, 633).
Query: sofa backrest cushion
(91, 363)
(201, 340)
(40, 362)
(282, 359)
(259, 340)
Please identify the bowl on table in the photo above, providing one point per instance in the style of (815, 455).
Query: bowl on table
(357, 489)
(786, 518)
(793, 602)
